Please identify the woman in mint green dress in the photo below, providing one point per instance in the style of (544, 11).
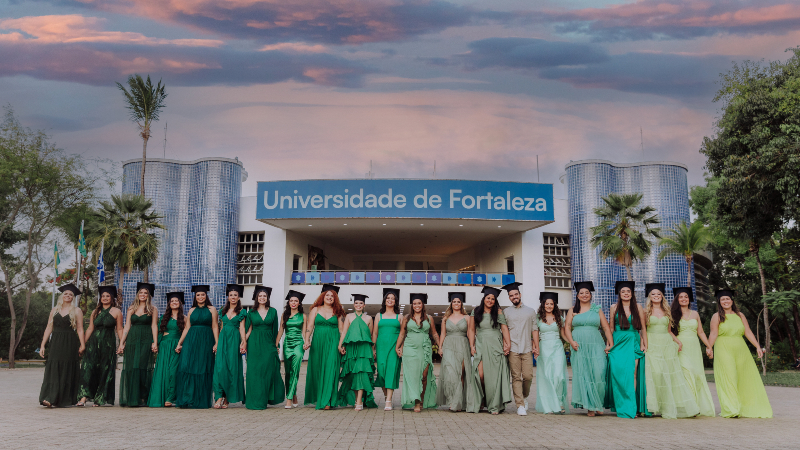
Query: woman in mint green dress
(293, 325)
(323, 332)
(589, 352)
(228, 380)
(551, 365)
(197, 346)
(358, 363)
(385, 333)
(687, 327)
(414, 346)
(163, 390)
(455, 375)
(490, 344)
(139, 345)
(99, 364)
(264, 385)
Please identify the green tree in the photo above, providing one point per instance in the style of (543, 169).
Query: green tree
(69, 223)
(685, 240)
(145, 102)
(625, 229)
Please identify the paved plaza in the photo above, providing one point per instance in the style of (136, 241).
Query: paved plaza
(25, 424)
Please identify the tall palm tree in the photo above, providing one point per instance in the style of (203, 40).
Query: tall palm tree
(624, 230)
(685, 240)
(145, 102)
(127, 227)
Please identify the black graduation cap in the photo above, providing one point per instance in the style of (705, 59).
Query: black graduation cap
(330, 287)
(234, 287)
(543, 296)
(423, 297)
(394, 291)
(151, 288)
(678, 290)
(512, 286)
(70, 287)
(112, 291)
(490, 290)
(459, 295)
(300, 296)
(360, 298)
(201, 288)
(624, 284)
(258, 289)
(178, 295)
(583, 285)
(724, 293)
(658, 286)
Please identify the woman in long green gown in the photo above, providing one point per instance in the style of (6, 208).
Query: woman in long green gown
(324, 359)
(688, 328)
(739, 386)
(139, 347)
(228, 366)
(551, 364)
(667, 391)
(197, 347)
(163, 390)
(385, 333)
(490, 343)
(414, 346)
(263, 385)
(589, 352)
(626, 392)
(64, 330)
(455, 373)
(99, 364)
(358, 363)
(293, 324)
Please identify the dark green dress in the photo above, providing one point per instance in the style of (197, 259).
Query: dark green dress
(229, 366)
(163, 387)
(358, 365)
(293, 353)
(196, 365)
(137, 363)
(324, 360)
(386, 353)
(62, 371)
(99, 365)
(264, 384)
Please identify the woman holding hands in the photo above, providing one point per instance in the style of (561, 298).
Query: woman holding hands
(64, 330)
(687, 327)
(141, 332)
(385, 333)
(455, 376)
(324, 329)
(358, 363)
(293, 324)
(196, 366)
(99, 365)
(489, 342)
(414, 346)
(263, 385)
(232, 344)
(551, 367)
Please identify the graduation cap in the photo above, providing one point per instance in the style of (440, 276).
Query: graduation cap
(360, 298)
(234, 287)
(678, 290)
(330, 287)
(649, 287)
(583, 285)
(396, 292)
(543, 296)
(151, 288)
(70, 287)
(490, 290)
(300, 296)
(112, 291)
(724, 293)
(258, 289)
(459, 295)
(423, 297)
(512, 286)
(624, 284)
(201, 288)
(178, 295)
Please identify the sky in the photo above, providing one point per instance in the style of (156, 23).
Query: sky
(301, 89)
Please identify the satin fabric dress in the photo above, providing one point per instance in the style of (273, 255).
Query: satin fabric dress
(496, 373)
(292, 353)
(691, 358)
(551, 371)
(386, 355)
(324, 363)
(163, 388)
(626, 392)
(452, 391)
(667, 391)
(99, 364)
(137, 363)
(62, 371)
(196, 365)
(418, 356)
(589, 361)
(263, 385)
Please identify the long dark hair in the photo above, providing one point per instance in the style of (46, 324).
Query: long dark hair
(677, 314)
(424, 314)
(208, 300)
(556, 313)
(255, 304)
(577, 308)
(99, 306)
(168, 315)
(494, 312)
(396, 304)
(228, 306)
(287, 310)
(721, 310)
(623, 321)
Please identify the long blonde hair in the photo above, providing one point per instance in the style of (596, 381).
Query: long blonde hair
(664, 307)
(73, 311)
(148, 305)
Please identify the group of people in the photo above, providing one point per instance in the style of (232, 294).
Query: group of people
(645, 362)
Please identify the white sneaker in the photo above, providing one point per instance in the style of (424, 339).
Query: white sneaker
(526, 405)
(521, 411)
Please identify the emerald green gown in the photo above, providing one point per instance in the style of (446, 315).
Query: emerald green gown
(62, 371)
(386, 353)
(418, 356)
(589, 361)
(358, 365)
(293, 353)
(137, 363)
(229, 367)
(496, 373)
(163, 388)
(324, 361)
(99, 364)
(621, 395)
(263, 385)
(196, 365)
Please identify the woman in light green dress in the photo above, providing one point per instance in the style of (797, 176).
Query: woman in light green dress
(293, 324)
(139, 344)
(385, 333)
(228, 382)
(358, 363)
(414, 346)
(455, 375)
(667, 391)
(687, 327)
(551, 365)
(163, 390)
(324, 359)
(263, 385)
(489, 343)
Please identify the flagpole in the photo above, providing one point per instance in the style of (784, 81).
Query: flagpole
(55, 275)
(53, 300)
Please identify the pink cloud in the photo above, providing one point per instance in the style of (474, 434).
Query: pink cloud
(299, 47)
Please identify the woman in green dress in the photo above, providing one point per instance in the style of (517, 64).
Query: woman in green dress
(163, 390)
(455, 373)
(589, 352)
(489, 343)
(551, 365)
(358, 363)
(385, 333)
(232, 344)
(62, 374)
(99, 364)
(293, 324)
(414, 346)
(739, 387)
(667, 391)
(141, 332)
(324, 329)
(687, 327)
(626, 393)
(263, 385)
(197, 347)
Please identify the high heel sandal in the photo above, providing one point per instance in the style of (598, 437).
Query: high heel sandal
(359, 407)
(388, 406)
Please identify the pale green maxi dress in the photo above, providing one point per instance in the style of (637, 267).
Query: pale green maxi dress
(496, 374)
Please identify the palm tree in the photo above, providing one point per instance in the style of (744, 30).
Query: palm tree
(624, 229)
(686, 240)
(127, 227)
(145, 102)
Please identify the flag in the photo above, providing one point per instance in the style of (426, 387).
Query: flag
(101, 266)
(56, 260)
(82, 242)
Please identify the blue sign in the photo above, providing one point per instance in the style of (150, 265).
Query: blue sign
(434, 199)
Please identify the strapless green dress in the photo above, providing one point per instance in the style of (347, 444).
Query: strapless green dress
(138, 362)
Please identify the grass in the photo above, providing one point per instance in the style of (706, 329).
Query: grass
(787, 379)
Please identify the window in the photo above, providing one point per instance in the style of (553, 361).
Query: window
(557, 261)
(250, 258)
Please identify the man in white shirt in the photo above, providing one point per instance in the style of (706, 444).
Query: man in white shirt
(524, 342)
